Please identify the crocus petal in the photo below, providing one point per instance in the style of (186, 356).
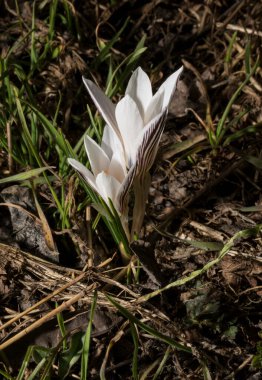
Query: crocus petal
(169, 87)
(140, 89)
(97, 157)
(110, 142)
(148, 143)
(147, 147)
(130, 125)
(116, 169)
(85, 173)
(125, 187)
(114, 150)
(108, 187)
(141, 189)
(155, 107)
(103, 104)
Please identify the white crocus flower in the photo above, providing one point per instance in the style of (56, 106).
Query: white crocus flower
(138, 120)
(108, 168)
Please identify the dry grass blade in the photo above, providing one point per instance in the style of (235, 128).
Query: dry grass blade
(45, 318)
(45, 299)
(111, 344)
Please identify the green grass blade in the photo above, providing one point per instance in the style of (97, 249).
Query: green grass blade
(6, 375)
(56, 135)
(147, 328)
(51, 356)
(87, 341)
(255, 161)
(243, 234)
(162, 363)
(33, 152)
(37, 369)
(119, 230)
(248, 58)
(105, 51)
(27, 137)
(52, 17)
(61, 324)
(135, 353)
(25, 363)
(237, 135)
(30, 174)
(33, 52)
(129, 62)
(206, 372)
(228, 56)
(205, 245)
(68, 358)
(251, 208)
(222, 121)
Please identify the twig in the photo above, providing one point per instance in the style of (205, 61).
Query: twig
(44, 319)
(239, 29)
(27, 311)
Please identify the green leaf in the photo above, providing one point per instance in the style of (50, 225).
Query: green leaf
(251, 208)
(57, 136)
(37, 370)
(230, 48)
(69, 357)
(135, 353)
(248, 58)
(206, 245)
(257, 162)
(162, 363)
(242, 132)
(40, 353)
(239, 235)
(106, 47)
(220, 127)
(148, 329)
(231, 332)
(62, 328)
(102, 211)
(52, 17)
(257, 359)
(87, 341)
(25, 175)
(6, 375)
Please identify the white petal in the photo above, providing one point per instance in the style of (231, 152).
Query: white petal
(140, 89)
(103, 104)
(169, 87)
(108, 187)
(125, 187)
(148, 143)
(110, 142)
(116, 168)
(86, 174)
(97, 157)
(130, 124)
(114, 150)
(155, 106)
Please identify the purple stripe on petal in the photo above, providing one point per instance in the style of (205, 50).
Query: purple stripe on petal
(148, 147)
(125, 187)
